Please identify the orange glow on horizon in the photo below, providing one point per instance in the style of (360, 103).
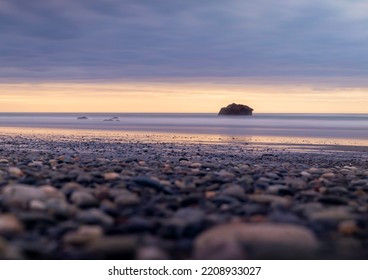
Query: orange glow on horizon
(178, 97)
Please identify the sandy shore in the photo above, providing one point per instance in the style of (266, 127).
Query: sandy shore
(70, 195)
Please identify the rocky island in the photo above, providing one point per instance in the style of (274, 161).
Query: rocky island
(236, 110)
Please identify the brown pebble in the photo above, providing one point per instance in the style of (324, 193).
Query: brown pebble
(348, 227)
(110, 176)
(15, 171)
(10, 225)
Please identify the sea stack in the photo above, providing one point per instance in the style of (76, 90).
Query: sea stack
(236, 110)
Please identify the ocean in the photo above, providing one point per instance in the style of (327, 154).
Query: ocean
(329, 126)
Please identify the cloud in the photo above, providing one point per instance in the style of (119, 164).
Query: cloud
(114, 40)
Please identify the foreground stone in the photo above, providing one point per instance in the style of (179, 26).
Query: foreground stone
(260, 241)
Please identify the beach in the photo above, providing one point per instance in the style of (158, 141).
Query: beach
(94, 194)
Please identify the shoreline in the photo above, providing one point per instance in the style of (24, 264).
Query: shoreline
(101, 195)
(311, 143)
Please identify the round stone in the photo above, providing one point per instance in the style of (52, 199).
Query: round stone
(21, 195)
(83, 199)
(238, 241)
(10, 225)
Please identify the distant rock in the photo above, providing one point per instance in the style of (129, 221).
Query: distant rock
(236, 110)
(82, 118)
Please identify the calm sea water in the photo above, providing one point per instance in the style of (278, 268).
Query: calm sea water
(349, 126)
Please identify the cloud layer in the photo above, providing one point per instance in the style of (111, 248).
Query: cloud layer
(50, 40)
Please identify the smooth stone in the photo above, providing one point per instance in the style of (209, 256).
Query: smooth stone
(184, 222)
(127, 199)
(151, 253)
(9, 252)
(225, 174)
(297, 183)
(239, 241)
(21, 195)
(235, 191)
(337, 190)
(333, 200)
(83, 199)
(35, 164)
(348, 227)
(84, 178)
(52, 192)
(85, 234)
(196, 165)
(272, 175)
(332, 215)
(10, 225)
(329, 175)
(15, 171)
(307, 208)
(270, 199)
(37, 205)
(94, 216)
(60, 208)
(275, 189)
(110, 176)
(4, 160)
(305, 174)
(151, 183)
(113, 248)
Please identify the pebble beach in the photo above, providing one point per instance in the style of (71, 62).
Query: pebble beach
(95, 196)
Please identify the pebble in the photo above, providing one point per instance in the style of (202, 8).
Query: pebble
(126, 199)
(270, 199)
(21, 195)
(8, 252)
(332, 215)
(151, 183)
(110, 176)
(240, 241)
(151, 253)
(348, 227)
(84, 235)
(10, 225)
(15, 171)
(83, 199)
(235, 191)
(36, 164)
(37, 205)
(94, 216)
(113, 248)
(185, 222)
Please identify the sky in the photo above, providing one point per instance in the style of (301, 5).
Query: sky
(183, 56)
